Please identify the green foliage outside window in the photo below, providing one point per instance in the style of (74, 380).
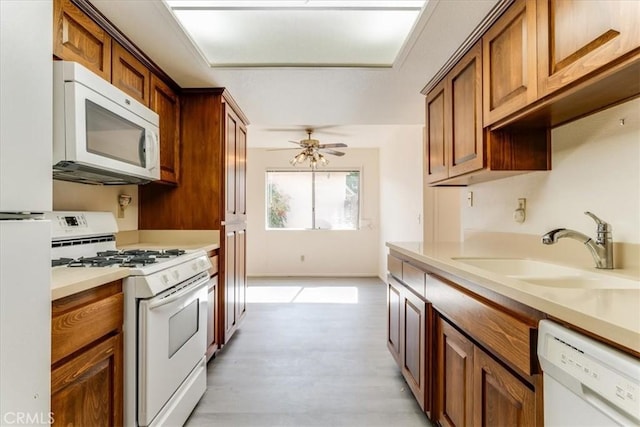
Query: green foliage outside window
(278, 208)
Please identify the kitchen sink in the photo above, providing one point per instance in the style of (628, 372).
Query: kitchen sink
(548, 274)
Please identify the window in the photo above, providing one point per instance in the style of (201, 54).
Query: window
(321, 199)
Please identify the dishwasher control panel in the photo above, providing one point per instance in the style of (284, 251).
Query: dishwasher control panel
(592, 370)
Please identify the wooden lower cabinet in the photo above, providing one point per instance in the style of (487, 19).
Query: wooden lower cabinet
(454, 376)
(87, 358)
(212, 306)
(408, 338)
(235, 279)
(499, 397)
(473, 389)
(394, 301)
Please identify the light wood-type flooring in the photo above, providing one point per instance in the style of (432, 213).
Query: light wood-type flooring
(312, 353)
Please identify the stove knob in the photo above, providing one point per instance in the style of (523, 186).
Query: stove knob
(202, 263)
(165, 279)
(194, 266)
(176, 274)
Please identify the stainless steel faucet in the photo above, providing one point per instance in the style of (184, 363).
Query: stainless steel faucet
(601, 249)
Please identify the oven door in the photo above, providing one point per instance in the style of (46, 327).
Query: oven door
(172, 336)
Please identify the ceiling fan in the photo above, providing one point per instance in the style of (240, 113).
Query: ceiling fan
(314, 151)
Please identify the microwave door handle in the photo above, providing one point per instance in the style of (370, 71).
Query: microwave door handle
(155, 146)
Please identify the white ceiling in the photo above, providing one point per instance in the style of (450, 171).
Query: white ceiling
(297, 98)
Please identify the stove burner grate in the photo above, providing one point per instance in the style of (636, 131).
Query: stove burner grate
(128, 258)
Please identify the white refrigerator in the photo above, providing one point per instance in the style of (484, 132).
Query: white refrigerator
(25, 192)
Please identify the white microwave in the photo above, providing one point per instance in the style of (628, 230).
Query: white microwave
(101, 135)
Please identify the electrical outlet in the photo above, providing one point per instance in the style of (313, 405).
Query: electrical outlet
(470, 199)
(520, 214)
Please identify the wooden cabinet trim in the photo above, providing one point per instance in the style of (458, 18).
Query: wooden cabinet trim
(84, 324)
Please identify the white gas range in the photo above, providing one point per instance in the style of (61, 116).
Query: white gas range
(165, 314)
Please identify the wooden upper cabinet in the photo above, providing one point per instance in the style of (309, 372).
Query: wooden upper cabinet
(577, 37)
(166, 103)
(78, 38)
(436, 135)
(509, 62)
(454, 138)
(129, 74)
(466, 152)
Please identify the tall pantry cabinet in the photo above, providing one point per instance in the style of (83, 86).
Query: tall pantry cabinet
(211, 194)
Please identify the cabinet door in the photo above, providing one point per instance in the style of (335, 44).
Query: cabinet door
(230, 292)
(241, 274)
(454, 383)
(436, 135)
(166, 103)
(87, 389)
(576, 37)
(76, 37)
(466, 152)
(129, 74)
(232, 123)
(212, 301)
(241, 173)
(509, 62)
(500, 399)
(413, 345)
(393, 318)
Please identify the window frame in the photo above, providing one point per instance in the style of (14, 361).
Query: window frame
(313, 197)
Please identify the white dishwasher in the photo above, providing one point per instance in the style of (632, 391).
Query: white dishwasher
(586, 383)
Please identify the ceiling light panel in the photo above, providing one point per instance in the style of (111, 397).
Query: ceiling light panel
(237, 33)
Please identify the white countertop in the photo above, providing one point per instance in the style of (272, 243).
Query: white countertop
(613, 314)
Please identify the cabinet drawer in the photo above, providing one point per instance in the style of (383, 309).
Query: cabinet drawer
(506, 336)
(394, 265)
(214, 265)
(80, 319)
(414, 278)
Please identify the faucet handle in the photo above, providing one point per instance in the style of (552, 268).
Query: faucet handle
(602, 226)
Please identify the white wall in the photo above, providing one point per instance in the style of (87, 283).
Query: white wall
(326, 252)
(401, 216)
(596, 167)
(71, 196)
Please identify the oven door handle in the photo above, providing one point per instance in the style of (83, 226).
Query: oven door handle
(176, 296)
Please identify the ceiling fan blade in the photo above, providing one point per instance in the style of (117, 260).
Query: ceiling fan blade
(333, 152)
(282, 149)
(338, 145)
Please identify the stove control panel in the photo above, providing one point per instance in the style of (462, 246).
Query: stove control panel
(68, 225)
